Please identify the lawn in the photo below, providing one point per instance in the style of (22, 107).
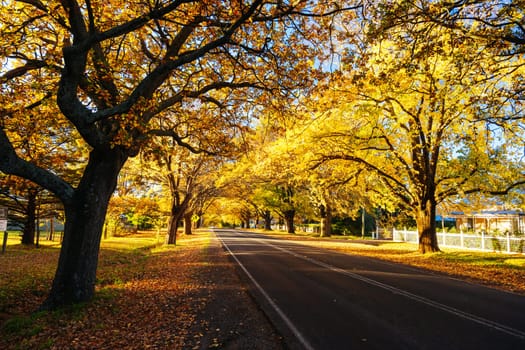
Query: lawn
(125, 262)
(26, 272)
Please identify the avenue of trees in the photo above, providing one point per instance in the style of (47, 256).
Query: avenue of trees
(292, 110)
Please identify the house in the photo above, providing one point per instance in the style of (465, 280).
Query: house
(512, 221)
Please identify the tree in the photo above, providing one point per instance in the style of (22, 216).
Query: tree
(44, 142)
(117, 75)
(411, 120)
(331, 188)
(137, 201)
(20, 197)
(240, 188)
(204, 194)
(496, 27)
(189, 178)
(277, 198)
(495, 23)
(270, 165)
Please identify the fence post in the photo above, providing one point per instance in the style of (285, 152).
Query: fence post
(508, 242)
(482, 240)
(461, 238)
(3, 226)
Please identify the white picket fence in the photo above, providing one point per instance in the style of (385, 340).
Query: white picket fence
(479, 241)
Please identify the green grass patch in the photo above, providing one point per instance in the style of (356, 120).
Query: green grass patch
(24, 326)
(481, 258)
(129, 243)
(18, 329)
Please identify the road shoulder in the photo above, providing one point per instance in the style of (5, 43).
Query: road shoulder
(232, 319)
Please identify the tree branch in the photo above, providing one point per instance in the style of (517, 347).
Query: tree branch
(19, 71)
(10, 163)
(390, 181)
(179, 140)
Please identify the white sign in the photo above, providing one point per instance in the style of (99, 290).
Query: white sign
(3, 225)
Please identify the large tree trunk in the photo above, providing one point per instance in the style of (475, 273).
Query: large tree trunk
(173, 225)
(289, 216)
(426, 226)
(76, 273)
(188, 223)
(326, 221)
(267, 218)
(178, 208)
(28, 235)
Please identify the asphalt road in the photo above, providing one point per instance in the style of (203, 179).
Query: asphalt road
(320, 299)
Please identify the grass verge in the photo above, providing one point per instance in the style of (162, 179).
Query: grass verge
(26, 274)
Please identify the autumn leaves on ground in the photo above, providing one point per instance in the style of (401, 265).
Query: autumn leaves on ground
(183, 297)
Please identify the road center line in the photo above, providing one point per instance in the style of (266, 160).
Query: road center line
(277, 309)
(465, 315)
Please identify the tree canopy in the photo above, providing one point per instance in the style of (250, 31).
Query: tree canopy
(108, 76)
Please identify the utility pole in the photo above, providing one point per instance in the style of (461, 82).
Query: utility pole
(363, 222)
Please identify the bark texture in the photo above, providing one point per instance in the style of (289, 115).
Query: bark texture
(267, 217)
(426, 226)
(188, 223)
(326, 220)
(289, 216)
(76, 272)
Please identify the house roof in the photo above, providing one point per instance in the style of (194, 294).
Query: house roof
(487, 213)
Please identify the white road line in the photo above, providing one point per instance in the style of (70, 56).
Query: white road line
(465, 315)
(277, 309)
